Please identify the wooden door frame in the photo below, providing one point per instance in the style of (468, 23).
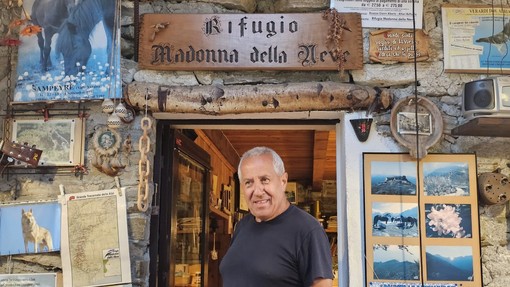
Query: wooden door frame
(319, 120)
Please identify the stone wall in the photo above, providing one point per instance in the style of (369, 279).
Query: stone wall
(442, 88)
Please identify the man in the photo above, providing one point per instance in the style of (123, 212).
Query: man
(277, 244)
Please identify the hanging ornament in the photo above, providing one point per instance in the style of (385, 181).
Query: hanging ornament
(114, 121)
(121, 110)
(108, 106)
(417, 124)
(130, 115)
(107, 157)
(361, 128)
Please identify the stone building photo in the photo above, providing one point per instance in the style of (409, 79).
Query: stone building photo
(123, 126)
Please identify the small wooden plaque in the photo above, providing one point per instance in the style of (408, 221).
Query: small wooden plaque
(245, 42)
(397, 45)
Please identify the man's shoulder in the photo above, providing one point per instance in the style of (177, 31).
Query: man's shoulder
(302, 217)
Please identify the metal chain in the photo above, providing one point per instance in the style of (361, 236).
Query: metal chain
(144, 165)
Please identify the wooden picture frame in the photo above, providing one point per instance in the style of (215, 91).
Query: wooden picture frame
(61, 140)
(421, 220)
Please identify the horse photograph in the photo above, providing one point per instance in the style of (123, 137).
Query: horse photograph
(76, 55)
(395, 219)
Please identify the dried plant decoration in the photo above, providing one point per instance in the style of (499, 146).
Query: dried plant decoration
(337, 24)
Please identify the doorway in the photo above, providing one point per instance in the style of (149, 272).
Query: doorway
(307, 147)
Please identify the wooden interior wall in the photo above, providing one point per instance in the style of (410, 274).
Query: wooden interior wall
(224, 172)
(220, 165)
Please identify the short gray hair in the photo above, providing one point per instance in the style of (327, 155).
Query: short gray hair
(278, 165)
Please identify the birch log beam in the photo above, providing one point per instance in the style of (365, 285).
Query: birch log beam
(236, 99)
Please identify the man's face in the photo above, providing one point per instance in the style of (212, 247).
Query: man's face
(263, 189)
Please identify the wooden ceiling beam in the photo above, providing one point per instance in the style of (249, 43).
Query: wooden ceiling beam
(223, 144)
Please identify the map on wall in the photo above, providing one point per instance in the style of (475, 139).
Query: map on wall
(95, 247)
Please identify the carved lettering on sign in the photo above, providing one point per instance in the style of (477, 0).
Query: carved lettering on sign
(397, 45)
(255, 41)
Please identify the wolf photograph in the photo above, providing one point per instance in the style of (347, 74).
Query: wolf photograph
(36, 231)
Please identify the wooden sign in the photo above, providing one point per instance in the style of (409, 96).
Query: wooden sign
(246, 42)
(397, 45)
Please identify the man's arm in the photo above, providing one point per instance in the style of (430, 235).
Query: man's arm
(322, 282)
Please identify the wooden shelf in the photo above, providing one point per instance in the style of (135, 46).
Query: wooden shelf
(219, 213)
(485, 127)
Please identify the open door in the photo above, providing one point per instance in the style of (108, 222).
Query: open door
(179, 226)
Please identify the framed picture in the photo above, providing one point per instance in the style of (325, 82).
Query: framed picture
(421, 220)
(473, 38)
(408, 122)
(41, 218)
(61, 140)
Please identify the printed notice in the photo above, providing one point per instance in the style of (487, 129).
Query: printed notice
(397, 45)
(476, 38)
(384, 13)
(95, 247)
(28, 280)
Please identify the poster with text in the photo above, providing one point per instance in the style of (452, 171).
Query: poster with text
(29, 280)
(476, 38)
(95, 246)
(384, 13)
(75, 56)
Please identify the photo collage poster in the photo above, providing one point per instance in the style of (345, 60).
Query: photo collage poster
(421, 220)
(75, 56)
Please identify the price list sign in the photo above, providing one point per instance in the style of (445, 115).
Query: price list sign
(384, 13)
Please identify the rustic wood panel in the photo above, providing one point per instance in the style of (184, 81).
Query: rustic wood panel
(330, 166)
(221, 167)
(303, 152)
(234, 99)
(295, 148)
(319, 158)
(295, 41)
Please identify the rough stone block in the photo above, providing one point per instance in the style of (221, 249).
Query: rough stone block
(300, 5)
